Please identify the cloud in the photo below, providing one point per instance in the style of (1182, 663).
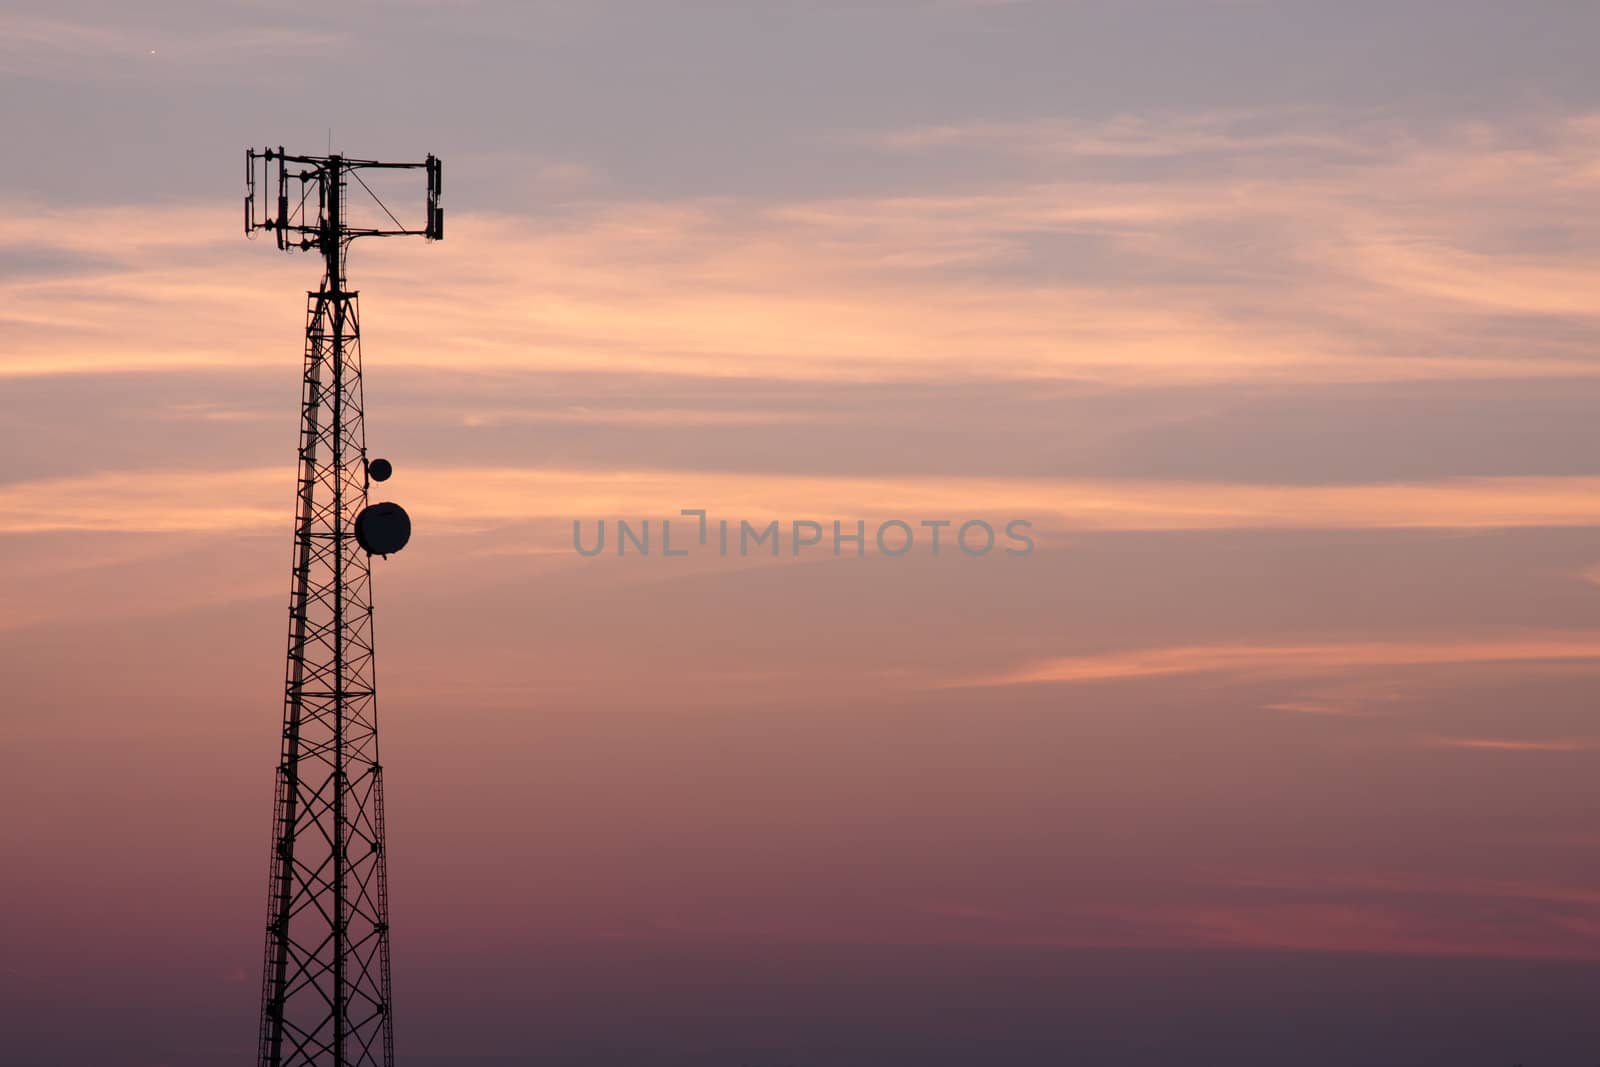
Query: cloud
(1301, 659)
(1296, 252)
(1505, 744)
(476, 497)
(1312, 707)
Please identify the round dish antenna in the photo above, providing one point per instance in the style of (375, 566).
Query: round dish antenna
(383, 529)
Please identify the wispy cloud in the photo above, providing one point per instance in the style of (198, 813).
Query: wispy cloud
(1507, 744)
(1449, 254)
(472, 497)
(1300, 659)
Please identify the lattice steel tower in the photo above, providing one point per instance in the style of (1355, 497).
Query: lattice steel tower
(325, 987)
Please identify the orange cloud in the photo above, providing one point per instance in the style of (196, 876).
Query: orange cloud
(475, 497)
(1504, 744)
(1290, 660)
(1286, 271)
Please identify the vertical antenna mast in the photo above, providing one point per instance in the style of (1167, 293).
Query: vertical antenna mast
(325, 997)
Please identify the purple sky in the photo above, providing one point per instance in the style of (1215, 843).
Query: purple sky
(1275, 319)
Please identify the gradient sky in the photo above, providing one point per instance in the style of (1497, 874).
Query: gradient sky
(1277, 319)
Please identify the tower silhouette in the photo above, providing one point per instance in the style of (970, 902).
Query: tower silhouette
(325, 997)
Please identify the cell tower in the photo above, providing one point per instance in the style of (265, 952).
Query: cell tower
(325, 985)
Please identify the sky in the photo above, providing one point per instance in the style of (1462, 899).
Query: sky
(1275, 320)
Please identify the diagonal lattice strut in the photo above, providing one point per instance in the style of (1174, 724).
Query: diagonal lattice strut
(325, 989)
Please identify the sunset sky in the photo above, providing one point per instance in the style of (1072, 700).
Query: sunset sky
(1276, 319)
